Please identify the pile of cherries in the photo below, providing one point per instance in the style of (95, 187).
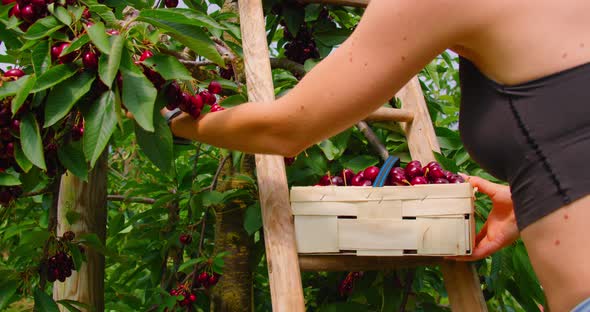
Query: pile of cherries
(412, 174)
(187, 296)
(193, 104)
(347, 285)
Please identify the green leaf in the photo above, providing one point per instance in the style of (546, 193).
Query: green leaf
(196, 204)
(336, 146)
(43, 302)
(31, 141)
(102, 10)
(253, 218)
(108, 65)
(187, 266)
(446, 163)
(92, 240)
(157, 145)
(293, 17)
(8, 288)
(76, 44)
(168, 66)
(139, 94)
(71, 305)
(22, 94)
(72, 157)
(62, 98)
(11, 88)
(358, 163)
(77, 256)
(62, 15)
(40, 57)
(212, 198)
(99, 37)
(43, 28)
(101, 121)
(191, 36)
(21, 159)
(7, 179)
(181, 16)
(53, 76)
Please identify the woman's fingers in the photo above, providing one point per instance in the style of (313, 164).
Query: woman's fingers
(483, 185)
(482, 233)
(482, 250)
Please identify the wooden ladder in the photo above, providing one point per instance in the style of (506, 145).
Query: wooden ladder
(284, 264)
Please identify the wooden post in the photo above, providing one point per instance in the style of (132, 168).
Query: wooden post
(281, 252)
(460, 278)
(89, 201)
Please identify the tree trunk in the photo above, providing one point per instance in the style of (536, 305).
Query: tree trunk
(89, 201)
(233, 293)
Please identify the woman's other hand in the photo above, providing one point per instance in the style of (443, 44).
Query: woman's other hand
(500, 229)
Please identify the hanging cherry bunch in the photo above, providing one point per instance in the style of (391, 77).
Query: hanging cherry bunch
(59, 266)
(193, 104)
(346, 286)
(185, 296)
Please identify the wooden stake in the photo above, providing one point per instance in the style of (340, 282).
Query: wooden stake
(89, 201)
(281, 252)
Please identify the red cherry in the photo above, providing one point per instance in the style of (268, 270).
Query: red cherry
(337, 180)
(55, 52)
(213, 280)
(440, 181)
(40, 5)
(455, 178)
(171, 3)
(15, 11)
(112, 32)
(371, 173)
(418, 180)
(203, 278)
(398, 178)
(214, 87)
(197, 101)
(5, 2)
(68, 58)
(208, 98)
(367, 183)
(184, 102)
(216, 108)
(86, 14)
(185, 239)
(15, 72)
(325, 180)
(358, 180)
(347, 175)
(289, 161)
(90, 60)
(172, 93)
(413, 171)
(192, 297)
(435, 173)
(145, 55)
(28, 13)
(10, 149)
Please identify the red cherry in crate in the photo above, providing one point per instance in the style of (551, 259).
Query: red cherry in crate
(347, 175)
(414, 170)
(435, 173)
(455, 178)
(418, 180)
(325, 180)
(367, 183)
(337, 180)
(440, 181)
(371, 173)
(398, 179)
(358, 180)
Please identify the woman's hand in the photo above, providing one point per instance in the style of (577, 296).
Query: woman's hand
(500, 229)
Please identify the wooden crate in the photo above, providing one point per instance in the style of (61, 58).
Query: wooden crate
(424, 220)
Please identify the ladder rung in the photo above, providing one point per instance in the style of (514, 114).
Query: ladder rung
(354, 3)
(354, 263)
(391, 114)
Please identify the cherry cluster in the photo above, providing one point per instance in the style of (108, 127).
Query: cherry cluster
(300, 47)
(29, 11)
(60, 267)
(193, 104)
(187, 296)
(412, 174)
(347, 285)
(185, 239)
(206, 280)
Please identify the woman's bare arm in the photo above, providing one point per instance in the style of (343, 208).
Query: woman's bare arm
(393, 41)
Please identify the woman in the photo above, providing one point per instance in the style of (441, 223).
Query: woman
(522, 68)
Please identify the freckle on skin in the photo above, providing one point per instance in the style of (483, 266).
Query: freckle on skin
(566, 216)
(405, 38)
(564, 55)
(403, 58)
(366, 63)
(581, 45)
(557, 242)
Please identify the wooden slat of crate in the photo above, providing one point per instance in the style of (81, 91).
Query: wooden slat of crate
(442, 236)
(436, 207)
(359, 193)
(316, 234)
(381, 234)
